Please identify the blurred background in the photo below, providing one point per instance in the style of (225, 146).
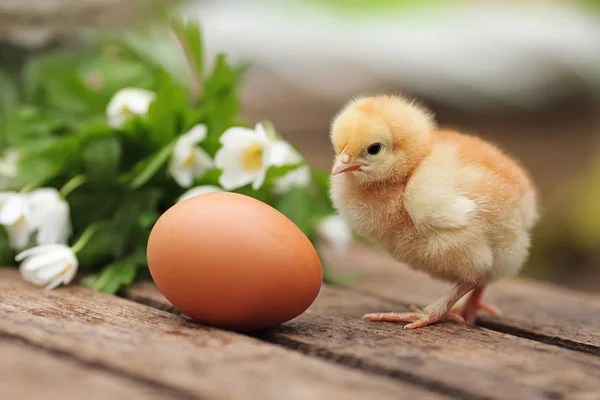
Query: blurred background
(524, 74)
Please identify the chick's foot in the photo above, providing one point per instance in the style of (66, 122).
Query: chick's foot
(433, 313)
(417, 318)
(473, 304)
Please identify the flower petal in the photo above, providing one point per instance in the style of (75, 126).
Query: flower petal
(128, 101)
(13, 209)
(39, 196)
(236, 136)
(4, 196)
(19, 235)
(183, 176)
(40, 250)
(261, 133)
(48, 265)
(55, 283)
(50, 270)
(42, 260)
(194, 136)
(50, 215)
(259, 179)
(202, 162)
(229, 158)
(197, 191)
(68, 277)
(9, 168)
(283, 153)
(231, 180)
(299, 177)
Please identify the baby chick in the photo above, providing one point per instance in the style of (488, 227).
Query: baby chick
(441, 201)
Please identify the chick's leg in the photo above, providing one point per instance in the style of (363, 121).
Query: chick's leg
(473, 304)
(430, 314)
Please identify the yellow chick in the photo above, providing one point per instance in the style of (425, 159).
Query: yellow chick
(440, 201)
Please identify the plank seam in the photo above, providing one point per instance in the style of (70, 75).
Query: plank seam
(99, 366)
(557, 341)
(498, 326)
(344, 360)
(359, 364)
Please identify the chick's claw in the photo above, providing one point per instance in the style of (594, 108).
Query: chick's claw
(473, 305)
(417, 318)
(486, 308)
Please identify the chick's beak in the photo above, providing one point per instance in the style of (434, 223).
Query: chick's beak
(344, 163)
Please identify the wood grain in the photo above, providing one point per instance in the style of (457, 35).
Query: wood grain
(30, 373)
(531, 309)
(462, 361)
(153, 347)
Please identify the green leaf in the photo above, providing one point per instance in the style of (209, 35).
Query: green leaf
(165, 115)
(190, 118)
(100, 248)
(322, 179)
(190, 38)
(113, 277)
(105, 74)
(6, 253)
(277, 171)
(39, 165)
(322, 204)
(126, 219)
(146, 169)
(220, 99)
(296, 205)
(54, 81)
(9, 95)
(94, 202)
(147, 219)
(101, 156)
(28, 125)
(211, 177)
(261, 194)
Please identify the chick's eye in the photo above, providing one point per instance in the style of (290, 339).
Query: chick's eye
(374, 149)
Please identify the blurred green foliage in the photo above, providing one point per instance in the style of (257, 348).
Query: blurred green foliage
(54, 112)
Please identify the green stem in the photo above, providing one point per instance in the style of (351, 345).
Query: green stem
(194, 70)
(27, 188)
(71, 185)
(85, 238)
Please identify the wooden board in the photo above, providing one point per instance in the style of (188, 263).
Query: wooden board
(461, 361)
(531, 309)
(28, 372)
(170, 353)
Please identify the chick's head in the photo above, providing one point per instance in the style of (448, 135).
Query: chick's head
(379, 137)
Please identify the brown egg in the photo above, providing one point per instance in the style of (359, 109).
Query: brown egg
(232, 261)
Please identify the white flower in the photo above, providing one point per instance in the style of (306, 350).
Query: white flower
(297, 178)
(48, 265)
(42, 212)
(198, 190)
(50, 216)
(15, 215)
(336, 231)
(126, 103)
(8, 168)
(284, 154)
(244, 157)
(190, 161)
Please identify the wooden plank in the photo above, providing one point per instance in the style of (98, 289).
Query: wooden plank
(466, 362)
(531, 309)
(30, 373)
(173, 353)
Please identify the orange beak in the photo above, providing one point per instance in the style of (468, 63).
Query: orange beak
(344, 163)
